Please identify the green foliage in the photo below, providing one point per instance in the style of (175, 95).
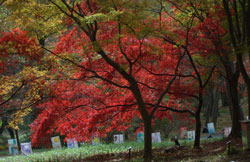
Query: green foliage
(99, 17)
(38, 17)
(4, 13)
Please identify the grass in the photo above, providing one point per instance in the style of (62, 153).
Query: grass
(87, 150)
(84, 151)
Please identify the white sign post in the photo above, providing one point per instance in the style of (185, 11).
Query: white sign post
(191, 135)
(118, 138)
(72, 143)
(140, 137)
(13, 149)
(56, 143)
(26, 148)
(156, 137)
(227, 131)
(210, 127)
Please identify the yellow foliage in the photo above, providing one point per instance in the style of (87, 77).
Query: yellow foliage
(40, 18)
(34, 83)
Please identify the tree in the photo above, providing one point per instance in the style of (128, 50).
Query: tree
(41, 19)
(19, 76)
(239, 30)
(123, 71)
(184, 33)
(211, 17)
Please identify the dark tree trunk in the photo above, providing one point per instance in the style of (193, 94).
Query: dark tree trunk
(147, 140)
(230, 107)
(4, 123)
(197, 131)
(17, 139)
(11, 133)
(233, 92)
(246, 78)
(239, 31)
(232, 71)
(224, 99)
(1, 129)
(198, 120)
(248, 98)
(207, 106)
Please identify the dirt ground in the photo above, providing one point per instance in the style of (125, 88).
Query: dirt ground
(209, 152)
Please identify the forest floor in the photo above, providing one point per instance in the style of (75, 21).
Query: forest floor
(210, 152)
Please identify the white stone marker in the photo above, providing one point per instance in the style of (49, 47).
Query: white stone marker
(13, 149)
(72, 143)
(118, 138)
(210, 127)
(26, 148)
(56, 143)
(140, 137)
(156, 137)
(191, 135)
(227, 131)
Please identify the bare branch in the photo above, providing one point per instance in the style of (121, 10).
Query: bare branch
(86, 69)
(166, 108)
(209, 77)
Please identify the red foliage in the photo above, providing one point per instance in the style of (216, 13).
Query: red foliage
(99, 101)
(17, 43)
(90, 105)
(17, 50)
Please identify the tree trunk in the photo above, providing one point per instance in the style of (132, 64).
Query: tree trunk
(198, 121)
(230, 107)
(11, 133)
(232, 76)
(147, 140)
(17, 139)
(246, 77)
(197, 130)
(4, 123)
(224, 99)
(248, 98)
(207, 106)
(233, 93)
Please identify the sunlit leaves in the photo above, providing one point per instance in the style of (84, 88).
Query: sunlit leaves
(21, 81)
(40, 18)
